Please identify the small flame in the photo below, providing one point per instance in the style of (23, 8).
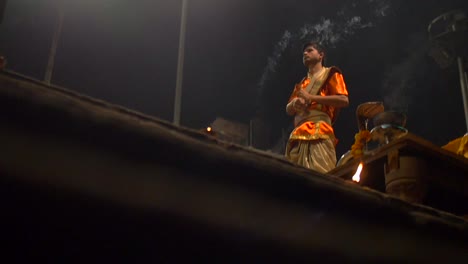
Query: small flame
(357, 175)
(208, 129)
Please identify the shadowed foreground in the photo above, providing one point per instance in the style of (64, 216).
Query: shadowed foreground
(85, 181)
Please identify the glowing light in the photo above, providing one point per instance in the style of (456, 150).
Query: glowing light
(208, 129)
(357, 175)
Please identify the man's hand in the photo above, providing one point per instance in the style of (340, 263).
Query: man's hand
(299, 104)
(302, 94)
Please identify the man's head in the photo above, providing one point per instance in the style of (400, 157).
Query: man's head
(312, 53)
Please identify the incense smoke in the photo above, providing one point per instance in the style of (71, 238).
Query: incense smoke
(401, 79)
(328, 31)
(279, 48)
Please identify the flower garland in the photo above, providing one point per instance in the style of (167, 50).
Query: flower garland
(360, 139)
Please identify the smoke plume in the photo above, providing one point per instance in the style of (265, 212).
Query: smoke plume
(328, 31)
(400, 80)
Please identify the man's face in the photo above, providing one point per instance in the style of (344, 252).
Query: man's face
(311, 56)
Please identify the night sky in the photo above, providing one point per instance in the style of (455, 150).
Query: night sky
(242, 57)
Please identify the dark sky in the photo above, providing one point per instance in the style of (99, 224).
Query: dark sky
(242, 57)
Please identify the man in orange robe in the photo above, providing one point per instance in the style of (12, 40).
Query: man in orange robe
(315, 103)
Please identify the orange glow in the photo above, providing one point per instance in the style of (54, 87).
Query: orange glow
(357, 175)
(208, 129)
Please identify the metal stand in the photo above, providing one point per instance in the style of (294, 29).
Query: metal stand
(449, 36)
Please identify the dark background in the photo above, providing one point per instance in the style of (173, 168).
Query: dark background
(242, 57)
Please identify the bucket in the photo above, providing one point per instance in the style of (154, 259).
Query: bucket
(408, 181)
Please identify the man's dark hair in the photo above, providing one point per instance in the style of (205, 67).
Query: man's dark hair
(319, 47)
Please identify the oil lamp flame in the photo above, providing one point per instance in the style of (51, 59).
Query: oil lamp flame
(208, 129)
(357, 175)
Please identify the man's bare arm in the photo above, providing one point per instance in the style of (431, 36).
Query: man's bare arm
(332, 100)
(338, 100)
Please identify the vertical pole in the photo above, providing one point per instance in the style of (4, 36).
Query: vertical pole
(2, 9)
(53, 47)
(464, 88)
(251, 133)
(180, 64)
